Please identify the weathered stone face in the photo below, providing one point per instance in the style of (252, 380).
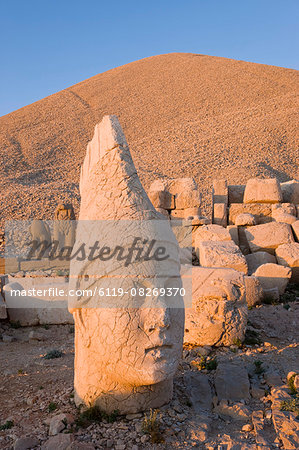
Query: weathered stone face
(126, 355)
(219, 311)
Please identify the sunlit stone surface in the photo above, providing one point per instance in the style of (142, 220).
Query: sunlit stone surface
(125, 357)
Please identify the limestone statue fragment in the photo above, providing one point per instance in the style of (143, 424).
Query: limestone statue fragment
(64, 226)
(126, 349)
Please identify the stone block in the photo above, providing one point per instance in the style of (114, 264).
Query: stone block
(268, 236)
(160, 184)
(245, 219)
(220, 192)
(38, 305)
(236, 193)
(42, 264)
(178, 185)
(200, 220)
(188, 213)
(164, 212)
(12, 265)
(262, 191)
(273, 276)
(232, 382)
(188, 199)
(262, 212)
(288, 255)
(219, 311)
(271, 295)
(221, 254)
(161, 199)
(2, 266)
(288, 208)
(295, 228)
(61, 441)
(254, 260)
(199, 392)
(220, 214)
(3, 312)
(234, 233)
(254, 291)
(284, 213)
(290, 191)
(210, 232)
(243, 243)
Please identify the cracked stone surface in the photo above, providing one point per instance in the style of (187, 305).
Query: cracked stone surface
(125, 357)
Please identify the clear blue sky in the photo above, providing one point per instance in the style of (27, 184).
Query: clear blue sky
(48, 45)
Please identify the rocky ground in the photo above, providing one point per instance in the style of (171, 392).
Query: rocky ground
(226, 398)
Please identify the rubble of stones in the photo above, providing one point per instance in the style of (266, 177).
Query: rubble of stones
(247, 255)
(238, 397)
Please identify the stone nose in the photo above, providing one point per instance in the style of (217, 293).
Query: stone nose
(155, 319)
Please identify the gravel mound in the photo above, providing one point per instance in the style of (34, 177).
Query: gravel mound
(183, 115)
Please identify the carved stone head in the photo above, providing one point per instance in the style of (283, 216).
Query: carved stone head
(127, 346)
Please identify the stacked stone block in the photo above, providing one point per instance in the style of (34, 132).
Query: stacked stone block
(220, 202)
(177, 198)
(263, 221)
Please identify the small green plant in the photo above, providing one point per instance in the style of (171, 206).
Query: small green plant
(202, 363)
(7, 425)
(52, 406)
(258, 367)
(20, 371)
(71, 330)
(290, 294)
(238, 342)
(94, 414)
(59, 273)
(251, 338)
(291, 384)
(53, 354)
(291, 405)
(151, 426)
(110, 418)
(46, 326)
(268, 300)
(15, 325)
(212, 364)
(41, 387)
